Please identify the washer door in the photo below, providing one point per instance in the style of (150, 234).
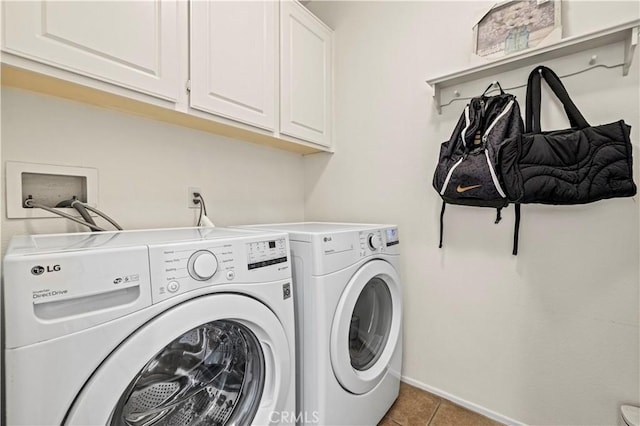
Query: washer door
(366, 327)
(215, 360)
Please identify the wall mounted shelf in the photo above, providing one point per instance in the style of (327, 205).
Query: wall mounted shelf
(627, 32)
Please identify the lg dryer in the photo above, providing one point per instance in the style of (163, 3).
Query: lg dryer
(349, 320)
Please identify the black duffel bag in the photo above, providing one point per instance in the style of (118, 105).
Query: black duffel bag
(573, 166)
(579, 165)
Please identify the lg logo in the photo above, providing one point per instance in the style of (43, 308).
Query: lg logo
(39, 270)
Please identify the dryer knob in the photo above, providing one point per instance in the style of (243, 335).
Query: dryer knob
(374, 241)
(202, 265)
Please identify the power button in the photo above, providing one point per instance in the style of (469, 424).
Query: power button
(173, 286)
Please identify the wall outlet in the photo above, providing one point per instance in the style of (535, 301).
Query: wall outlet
(190, 198)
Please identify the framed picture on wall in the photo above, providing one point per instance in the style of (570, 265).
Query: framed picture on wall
(515, 25)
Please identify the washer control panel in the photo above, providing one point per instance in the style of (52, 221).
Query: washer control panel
(202, 265)
(182, 267)
(266, 253)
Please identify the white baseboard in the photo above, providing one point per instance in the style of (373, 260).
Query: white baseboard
(466, 404)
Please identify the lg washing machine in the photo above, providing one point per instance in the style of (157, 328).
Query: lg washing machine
(156, 327)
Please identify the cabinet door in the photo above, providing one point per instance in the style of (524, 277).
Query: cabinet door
(306, 81)
(232, 58)
(128, 43)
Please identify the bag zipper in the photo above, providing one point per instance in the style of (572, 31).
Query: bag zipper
(485, 137)
(457, 163)
(446, 181)
(467, 124)
(494, 178)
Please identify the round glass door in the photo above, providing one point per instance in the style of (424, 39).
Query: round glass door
(370, 324)
(212, 375)
(366, 327)
(219, 359)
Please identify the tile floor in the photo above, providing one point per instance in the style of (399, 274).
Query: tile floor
(416, 407)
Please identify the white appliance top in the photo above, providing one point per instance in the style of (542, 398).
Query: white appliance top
(49, 243)
(305, 231)
(57, 284)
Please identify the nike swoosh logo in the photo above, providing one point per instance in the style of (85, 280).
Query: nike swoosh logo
(466, 188)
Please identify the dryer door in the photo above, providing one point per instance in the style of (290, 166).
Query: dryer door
(366, 327)
(215, 360)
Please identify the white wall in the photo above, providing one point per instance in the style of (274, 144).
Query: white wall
(548, 337)
(145, 166)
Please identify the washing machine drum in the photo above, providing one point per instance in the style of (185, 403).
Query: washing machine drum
(215, 360)
(366, 327)
(211, 375)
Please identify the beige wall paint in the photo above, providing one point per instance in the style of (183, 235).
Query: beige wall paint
(145, 166)
(548, 337)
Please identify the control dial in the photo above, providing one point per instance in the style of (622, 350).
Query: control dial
(202, 265)
(374, 241)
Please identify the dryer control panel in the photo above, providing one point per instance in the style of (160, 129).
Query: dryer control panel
(378, 241)
(180, 267)
(338, 250)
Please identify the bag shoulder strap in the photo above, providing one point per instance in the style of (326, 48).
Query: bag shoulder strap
(516, 229)
(532, 114)
(498, 218)
(444, 205)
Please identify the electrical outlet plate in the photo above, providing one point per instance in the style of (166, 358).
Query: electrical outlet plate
(49, 182)
(190, 197)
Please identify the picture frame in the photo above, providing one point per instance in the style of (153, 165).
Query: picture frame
(513, 26)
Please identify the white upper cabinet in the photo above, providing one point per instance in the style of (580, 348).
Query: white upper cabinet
(130, 44)
(306, 75)
(259, 68)
(233, 60)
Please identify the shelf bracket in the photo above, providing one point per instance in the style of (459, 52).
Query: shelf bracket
(436, 98)
(630, 46)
